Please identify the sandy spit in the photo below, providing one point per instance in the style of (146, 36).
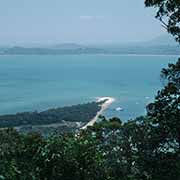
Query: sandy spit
(104, 106)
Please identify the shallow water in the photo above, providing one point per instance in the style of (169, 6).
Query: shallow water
(29, 83)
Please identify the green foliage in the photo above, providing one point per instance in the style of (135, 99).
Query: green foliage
(69, 158)
(76, 113)
(164, 112)
(169, 14)
(164, 115)
(16, 154)
(59, 157)
(109, 150)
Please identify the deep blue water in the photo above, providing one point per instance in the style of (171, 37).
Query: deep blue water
(29, 83)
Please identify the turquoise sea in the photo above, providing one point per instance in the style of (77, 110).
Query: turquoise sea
(35, 82)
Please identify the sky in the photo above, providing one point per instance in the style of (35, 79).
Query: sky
(76, 21)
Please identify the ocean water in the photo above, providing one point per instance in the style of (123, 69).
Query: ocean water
(37, 82)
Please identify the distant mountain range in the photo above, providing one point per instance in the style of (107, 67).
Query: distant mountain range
(161, 45)
(164, 39)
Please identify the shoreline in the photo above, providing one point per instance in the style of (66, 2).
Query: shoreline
(104, 106)
(98, 54)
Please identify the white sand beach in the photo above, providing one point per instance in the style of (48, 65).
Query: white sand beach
(104, 106)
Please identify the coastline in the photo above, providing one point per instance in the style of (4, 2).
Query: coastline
(104, 106)
(98, 54)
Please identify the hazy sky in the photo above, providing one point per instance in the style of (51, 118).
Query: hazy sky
(80, 21)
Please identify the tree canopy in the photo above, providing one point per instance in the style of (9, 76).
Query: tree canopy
(168, 12)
